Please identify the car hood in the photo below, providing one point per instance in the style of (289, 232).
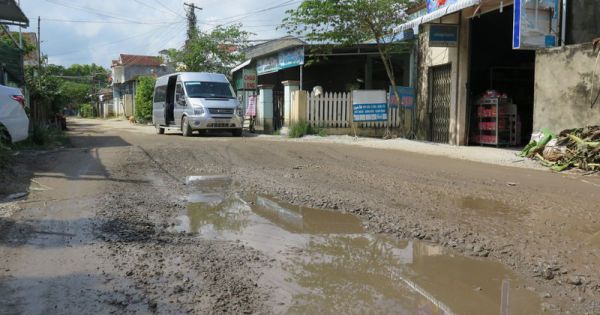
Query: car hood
(215, 102)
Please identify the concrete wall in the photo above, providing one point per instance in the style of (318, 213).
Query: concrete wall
(563, 82)
(458, 57)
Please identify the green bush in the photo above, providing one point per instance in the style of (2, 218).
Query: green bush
(43, 137)
(300, 129)
(87, 111)
(143, 99)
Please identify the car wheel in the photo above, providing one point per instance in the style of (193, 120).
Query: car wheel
(4, 136)
(186, 129)
(237, 133)
(159, 130)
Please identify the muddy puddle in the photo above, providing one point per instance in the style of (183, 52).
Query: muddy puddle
(325, 262)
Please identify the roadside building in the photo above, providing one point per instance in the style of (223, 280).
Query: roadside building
(106, 108)
(125, 72)
(567, 79)
(472, 53)
(278, 68)
(11, 54)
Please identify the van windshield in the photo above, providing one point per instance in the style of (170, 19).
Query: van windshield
(198, 89)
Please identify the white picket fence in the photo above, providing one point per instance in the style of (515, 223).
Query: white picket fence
(334, 110)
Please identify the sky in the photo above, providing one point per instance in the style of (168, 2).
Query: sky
(97, 31)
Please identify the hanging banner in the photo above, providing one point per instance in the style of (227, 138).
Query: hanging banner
(407, 97)
(433, 5)
(251, 108)
(369, 105)
(291, 58)
(535, 24)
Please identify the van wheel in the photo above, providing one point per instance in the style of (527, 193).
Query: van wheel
(159, 130)
(186, 129)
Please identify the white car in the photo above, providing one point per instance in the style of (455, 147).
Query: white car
(14, 123)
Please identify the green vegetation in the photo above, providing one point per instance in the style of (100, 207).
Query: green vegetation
(300, 129)
(56, 87)
(143, 99)
(218, 51)
(349, 23)
(87, 111)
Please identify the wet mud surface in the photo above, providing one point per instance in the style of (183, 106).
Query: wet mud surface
(136, 224)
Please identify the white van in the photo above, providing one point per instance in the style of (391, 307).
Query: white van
(190, 101)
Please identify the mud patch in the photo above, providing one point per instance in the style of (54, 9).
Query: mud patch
(488, 207)
(324, 262)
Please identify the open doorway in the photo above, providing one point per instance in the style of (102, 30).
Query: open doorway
(170, 102)
(495, 66)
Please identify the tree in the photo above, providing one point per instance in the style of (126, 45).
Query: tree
(76, 93)
(217, 51)
(143, 98)
(351, 22)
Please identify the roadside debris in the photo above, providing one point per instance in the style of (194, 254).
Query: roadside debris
(572, 148)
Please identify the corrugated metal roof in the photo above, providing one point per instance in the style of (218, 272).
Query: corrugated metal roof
(461, 4)
(11, 14)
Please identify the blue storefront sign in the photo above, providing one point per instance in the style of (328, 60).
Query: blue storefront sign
(285, 59)
(291, 58)
(267, 65)
(535, 24)
(443, 35)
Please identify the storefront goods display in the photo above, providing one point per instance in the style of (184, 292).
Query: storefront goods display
(497, 120)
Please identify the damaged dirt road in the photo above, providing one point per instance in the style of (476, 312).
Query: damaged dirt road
(131, 222)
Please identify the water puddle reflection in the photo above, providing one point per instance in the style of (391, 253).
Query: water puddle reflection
(324, 262)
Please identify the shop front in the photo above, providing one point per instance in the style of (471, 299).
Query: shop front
(476, 69)
(286, 67)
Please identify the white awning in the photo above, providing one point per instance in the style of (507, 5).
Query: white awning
(461, 4)
(241, 66)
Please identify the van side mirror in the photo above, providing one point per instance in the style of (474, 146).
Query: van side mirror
(180, 99)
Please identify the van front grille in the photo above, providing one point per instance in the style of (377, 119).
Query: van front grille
(221, 111)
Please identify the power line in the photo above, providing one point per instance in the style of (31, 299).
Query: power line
(112, 42)
(241, 16)
(109, 22)
(155, 8)
(91, 10)
(166, 7)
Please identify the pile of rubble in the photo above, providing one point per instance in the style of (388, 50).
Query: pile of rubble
(578, 148)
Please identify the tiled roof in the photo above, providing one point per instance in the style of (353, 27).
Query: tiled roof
(139, 60)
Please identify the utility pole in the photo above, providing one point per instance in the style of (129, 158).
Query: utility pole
(39, 46)
(192, 6)
(20, 32)
(192, 32)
